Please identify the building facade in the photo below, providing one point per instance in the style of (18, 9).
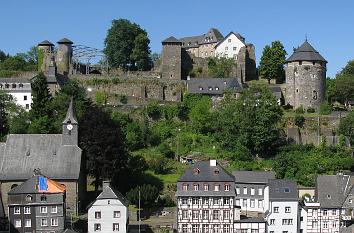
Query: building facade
(252, 190)
(20, 90)
(305, 74)
(37, 205)
(109, 212)
(56, 155)
(283, 212)
(230, 46)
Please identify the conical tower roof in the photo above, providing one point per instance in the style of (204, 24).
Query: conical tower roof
(70, 115)
(171, 39)
(65, 41)
(306, 53)
(46, 42)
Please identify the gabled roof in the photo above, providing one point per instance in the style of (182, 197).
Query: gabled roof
(332, 190)
(38, 184)
(22, 153)
(191, 41)
(241, 38)
(70, 115)
(46, 43)
(306, 53)
(254, 177)
(65, 41)
(282, 190)
(171, 39)
(202, 171)
(212, 36)
(111, 193)
(212, 86)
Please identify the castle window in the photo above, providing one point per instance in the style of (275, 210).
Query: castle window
(314, 95)
(234, 48)
(206, 187)
(300, 63)
(7, 85)
(195, 187)
(297, 90)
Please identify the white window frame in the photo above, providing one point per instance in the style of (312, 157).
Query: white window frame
(43, 209)
(54, 222)
(44, 222)
(117, 214)
(28, 223)
(98, 228)
(17, 223)
(252, 191)
(54, 209)
(115, 226)
(260, 191)
(245, 190)
(17, 210)
(27, 210)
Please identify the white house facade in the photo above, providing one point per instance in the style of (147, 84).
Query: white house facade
(109, 212)
(20, 90)
(230, 46)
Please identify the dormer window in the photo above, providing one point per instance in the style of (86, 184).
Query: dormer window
(227, 187)
(216, 187)
(7, 85)
(29, 198)
(196, 171)
(286, 190)
(185, 187)
(217, 88)
(328, 196)
(200, 88)
(229, 40)
(43, 198)
(206, 187)
(216, 171)
(196, 187)
(210, 88)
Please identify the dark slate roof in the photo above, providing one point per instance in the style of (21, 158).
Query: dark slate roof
(206, 173)
(251, 220)
(32, 186)
(22, 153)
(282, 190)
(255, 177)
(306, 53)
(191, 41)
(171, 39)
(65, 41)
(14, 80)
(46, 42)
(70, 115)
(241, 38)
(212, 36)
(331, 190)
(212, 86)
(111, 193)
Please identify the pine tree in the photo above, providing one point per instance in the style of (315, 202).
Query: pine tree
(41, 98)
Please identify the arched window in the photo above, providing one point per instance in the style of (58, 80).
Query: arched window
(29, 198)
(314, 95)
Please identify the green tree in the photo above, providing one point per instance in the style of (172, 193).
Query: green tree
(148, 195)
(3, 56)
(13, 63)
(344, 88)
(4, 126)
(200, 115)
(141, 52)
(346, 127)
(272, 62)
(41, 105)
(122, 39)
(348, 69)
(221, 68)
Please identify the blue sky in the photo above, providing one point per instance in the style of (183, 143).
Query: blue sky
(328, 24)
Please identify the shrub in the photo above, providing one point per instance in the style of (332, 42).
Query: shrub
(325, 109)
(154, 111)
(299, 120)
(148, 195)
(101, 97)
(300, 110)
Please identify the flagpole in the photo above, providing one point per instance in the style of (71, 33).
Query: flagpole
(139, 209)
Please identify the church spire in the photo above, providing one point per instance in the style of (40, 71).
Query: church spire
(70, 115)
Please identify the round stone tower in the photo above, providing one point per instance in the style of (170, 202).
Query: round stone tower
(305, 78)
(45, 54)
(171, 58)
(64, 55)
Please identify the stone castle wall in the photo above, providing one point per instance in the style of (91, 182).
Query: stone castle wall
(171, 61)
(305, 84)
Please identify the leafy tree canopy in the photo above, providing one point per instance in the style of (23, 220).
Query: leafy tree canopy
(221, 68)
(346, 127)
(272, 62)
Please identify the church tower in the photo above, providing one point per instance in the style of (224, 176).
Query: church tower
(70, 127)
(305, 74)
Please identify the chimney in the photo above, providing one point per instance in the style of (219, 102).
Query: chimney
(105, 184)
(212, 163)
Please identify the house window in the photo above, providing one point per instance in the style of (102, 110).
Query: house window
(28, 223)
(43, 198)
(20, 85)
(350, 201)
(229, 40)
(115, 226)
(184, 201)
(25, 97)
(116, 214)
(195, 214)
(205, 214)
(238, 202)
(272, 222)
(54, 222)
(205, 228)
(7, 85)
(44, 222)
(97, 227)
(227, 187)
(276, 209)
(325, 225)
(17, 223)
(234, 48)
(184, 228)
(260, 192)
(216, 201)
(97, 214)
(300, 63)
(27, 106)
(226, 214)
(226, 48)
(184, 214)
(29, 198)
(286, 190)
(185, 187)
(252, 203)
(54, 209)
(43, 209)
(17, 210)
(13, 85)
(206, 187)
(226, 201)
(205, 200)
(244, 202)
(217, 187)
(195, 187)
(27, 210)
(195, 201)
(216, 214)
(254, 231)
(244, 190)
(260, 203)
(195, 228)
(325, 213)
(226, 228)
(287, 209)
(237, 190)
(252, 191)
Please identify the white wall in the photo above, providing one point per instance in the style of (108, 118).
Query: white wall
(19, 98)
(278, 226)
(107, 219)
(226, 48)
